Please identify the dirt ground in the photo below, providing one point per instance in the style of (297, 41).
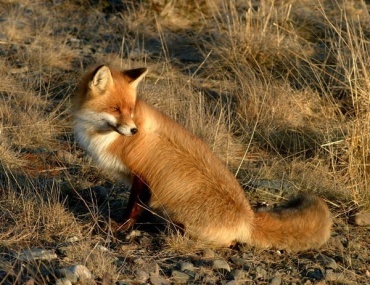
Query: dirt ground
(278, 89)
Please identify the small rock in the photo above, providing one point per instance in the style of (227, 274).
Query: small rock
(237, 260)
(139, 261)
(102, 248)
(74, 43)
(261, 273)
(315, 273)
(129, 246)
(81, 271)
(362, 219)
(221, 264)
(186, 266)
(208, 253)
(180, 277)
(158, 280)
(133, 234)
(67, 273)
(239, 274)
(275, 280)
(327, 261)
(152, 267)
(63, 281)
(37, 254)
(142, 276)
(72, 239)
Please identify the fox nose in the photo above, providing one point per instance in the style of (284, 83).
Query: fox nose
(134, 131)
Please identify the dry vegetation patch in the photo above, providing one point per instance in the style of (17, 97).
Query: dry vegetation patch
(278, 89)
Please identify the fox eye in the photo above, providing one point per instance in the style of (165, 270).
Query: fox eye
(115, 109)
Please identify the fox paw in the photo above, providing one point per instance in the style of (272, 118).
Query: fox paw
(121, 227)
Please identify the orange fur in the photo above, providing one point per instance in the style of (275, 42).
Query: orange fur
(186, 180)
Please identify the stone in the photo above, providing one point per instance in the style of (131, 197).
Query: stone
(63, 281)
(158, 280)
(67, 273)
(221, 264)
(326, 261)
(239, 274)
(152, 267)
(315, 273)
(180, 277)
(362, 219)
(81, 271)
(238, 261)
(186, 266)
(208, 253)
(37, 254)
(261, 273)
(141, 276)
(275, 280)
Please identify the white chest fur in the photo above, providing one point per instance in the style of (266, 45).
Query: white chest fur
(97, 146)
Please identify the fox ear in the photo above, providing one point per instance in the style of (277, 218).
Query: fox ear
(102, 79)
(134, 76)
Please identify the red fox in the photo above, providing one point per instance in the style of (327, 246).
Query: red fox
(176, 173)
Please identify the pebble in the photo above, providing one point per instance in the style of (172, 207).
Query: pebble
(133, 234)
(180, 277)
(239, 274)
(141, 276)
(63, 281)
(362, 219)
(158, 280)
(186, 266)
(208, 253)
(221, 264)
(327, 261)
(261, 273)
(139, 261)
(37, 254)
(275, 280)
(238, 261)
(315, 273)
(81, 271)
(152, 267)
(68, 274)
(72, 239)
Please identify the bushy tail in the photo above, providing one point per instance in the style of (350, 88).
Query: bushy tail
(302, 223)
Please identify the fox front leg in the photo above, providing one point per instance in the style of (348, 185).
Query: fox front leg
(139, 195)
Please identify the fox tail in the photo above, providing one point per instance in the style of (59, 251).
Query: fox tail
(301, 223)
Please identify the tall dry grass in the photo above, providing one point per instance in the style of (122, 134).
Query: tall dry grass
(278, 89)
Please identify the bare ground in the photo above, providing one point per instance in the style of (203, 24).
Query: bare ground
(278, 90)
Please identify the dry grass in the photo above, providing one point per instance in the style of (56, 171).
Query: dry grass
(278, 89)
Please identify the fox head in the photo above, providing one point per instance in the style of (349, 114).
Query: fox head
(107, 100)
